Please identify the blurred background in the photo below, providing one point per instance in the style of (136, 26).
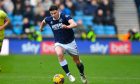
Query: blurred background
(104, 26)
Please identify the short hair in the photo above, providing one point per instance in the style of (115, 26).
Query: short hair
(53, 7)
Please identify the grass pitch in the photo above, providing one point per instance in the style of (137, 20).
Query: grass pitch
(36, 69)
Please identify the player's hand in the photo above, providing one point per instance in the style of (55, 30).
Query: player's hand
(65, 26)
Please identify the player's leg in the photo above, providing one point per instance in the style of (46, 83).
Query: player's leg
(72, 50)
(60, 53)
(80, 67)
(79, 64)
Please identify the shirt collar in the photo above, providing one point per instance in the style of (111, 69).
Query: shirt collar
(58, 17)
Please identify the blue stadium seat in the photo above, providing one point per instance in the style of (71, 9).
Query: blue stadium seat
(17, 30)
(76, 18)
(99, 29)
(87, 20)
(17, 23)
(18, 18)
(8, 32)
(110, 30)
(78, 13)
(10, 17)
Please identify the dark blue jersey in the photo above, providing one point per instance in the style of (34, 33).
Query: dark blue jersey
(61, 35)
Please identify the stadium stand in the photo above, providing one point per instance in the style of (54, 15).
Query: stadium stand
(127, 18)
(85, 10)
(138, 7)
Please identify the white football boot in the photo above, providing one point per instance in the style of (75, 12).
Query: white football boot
(71, 78)
(83, 79)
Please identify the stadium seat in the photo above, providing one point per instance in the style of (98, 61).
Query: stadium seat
(17, 30)
(99, 29)
(76, 18)
(10, 17)
(78, 13)
(110, 30)
(8, 32)
(87, 20)
(18, 18)
(17, 23)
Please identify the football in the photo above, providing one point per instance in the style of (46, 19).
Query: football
(58, 79)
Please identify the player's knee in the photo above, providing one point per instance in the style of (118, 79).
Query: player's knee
(60, 54)
(59, 51)
(76, 60)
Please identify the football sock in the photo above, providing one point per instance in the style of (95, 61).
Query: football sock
(81, 68)
(64, 65)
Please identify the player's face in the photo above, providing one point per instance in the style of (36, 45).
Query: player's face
(55, 14)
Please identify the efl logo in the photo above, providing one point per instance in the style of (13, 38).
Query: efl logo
(47, 47)
(120, 48)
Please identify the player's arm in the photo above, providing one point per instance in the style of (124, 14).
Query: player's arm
(43, 23)
(7, 21)
(72, 23)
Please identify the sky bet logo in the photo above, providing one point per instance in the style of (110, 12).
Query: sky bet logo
(99, 48)
(30, 48)
(47, 47)
(120, 48)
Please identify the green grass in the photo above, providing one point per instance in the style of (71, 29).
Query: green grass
(35, 69)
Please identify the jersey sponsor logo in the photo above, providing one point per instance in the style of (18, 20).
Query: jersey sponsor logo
(57, 26)
(47, 47)
(120, 48)
(60, 20)
(99, 48)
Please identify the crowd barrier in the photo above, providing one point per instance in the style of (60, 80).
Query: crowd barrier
(84, 47)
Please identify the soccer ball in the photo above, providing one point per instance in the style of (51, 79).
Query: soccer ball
(58, 79)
